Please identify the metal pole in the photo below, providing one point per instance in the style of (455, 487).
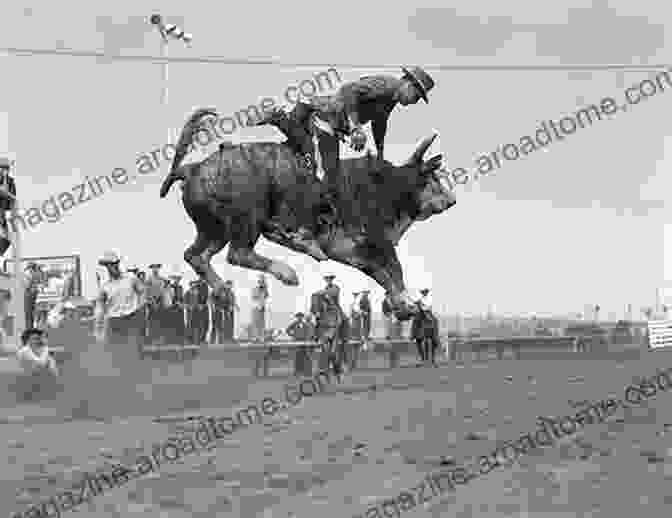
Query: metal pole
(164, 87)
(18, 301)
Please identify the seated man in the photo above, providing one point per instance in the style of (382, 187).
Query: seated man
(37, 364)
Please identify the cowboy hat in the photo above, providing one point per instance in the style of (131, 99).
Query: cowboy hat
(329, 277)
(175, 273)
(133, 268)
(109, 257)
(420, 79)
(299, 314)
(154, 265)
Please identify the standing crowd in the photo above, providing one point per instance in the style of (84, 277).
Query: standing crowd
(166, 313)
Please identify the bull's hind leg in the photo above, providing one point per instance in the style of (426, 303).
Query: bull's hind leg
(241, 253)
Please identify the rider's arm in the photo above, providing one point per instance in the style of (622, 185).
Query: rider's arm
(367, 89)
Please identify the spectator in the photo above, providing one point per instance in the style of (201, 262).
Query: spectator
(69, 284)
(196, 302)
(175, 309)
(60, 313)
(222, 310)
(32, 280)
(7, 202)
(259, 299)
(230, 313)
(155, 286)
(119, 308)
(329, 316)
(393, 327)
(355, 317)
(365, 310)
(33, 355)
(301, 330)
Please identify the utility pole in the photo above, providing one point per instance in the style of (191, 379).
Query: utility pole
(174, 32)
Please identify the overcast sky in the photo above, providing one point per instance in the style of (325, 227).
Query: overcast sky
(580, 223)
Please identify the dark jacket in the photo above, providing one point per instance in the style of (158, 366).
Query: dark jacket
(197, 296)
(365, 305)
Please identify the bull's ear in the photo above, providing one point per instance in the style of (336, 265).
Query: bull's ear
(416, 157)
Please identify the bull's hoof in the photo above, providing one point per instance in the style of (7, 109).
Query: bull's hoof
(284, 274)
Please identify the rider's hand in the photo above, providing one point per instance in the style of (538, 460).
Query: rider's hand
(358, 139)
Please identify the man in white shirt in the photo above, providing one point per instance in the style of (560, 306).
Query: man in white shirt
(119, 306)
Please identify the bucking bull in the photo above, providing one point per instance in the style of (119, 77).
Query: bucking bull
(242, 192)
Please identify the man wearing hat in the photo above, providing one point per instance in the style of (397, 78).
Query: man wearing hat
(222, 311)
(425, 329)
(156, 287)
(175, 308)
(365, 312)
(355, 317)
(369, 99)
(259, 297)
(196, 302)
(32, 280)
(7, 202)
(301, 330)
(329, 317)
(119, 307)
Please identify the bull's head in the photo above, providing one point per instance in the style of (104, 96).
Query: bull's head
(433, 196)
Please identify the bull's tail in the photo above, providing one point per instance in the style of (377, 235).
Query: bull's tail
(173, 176)
(192, 126)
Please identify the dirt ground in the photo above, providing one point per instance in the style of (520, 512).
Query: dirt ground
(340, 452)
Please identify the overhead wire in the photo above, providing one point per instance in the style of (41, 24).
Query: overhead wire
(220, 60)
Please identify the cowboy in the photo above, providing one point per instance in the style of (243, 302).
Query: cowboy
(175, 307)
(119, 306)
(222, 310)
(393, 327)
(156, 286)
(32, 281)
(355, 317)
(301, 330)
(365, 313)
(369, 99)
(7, 202)
(425, 329)
(260, 296)
(329, 318)
(196, 301)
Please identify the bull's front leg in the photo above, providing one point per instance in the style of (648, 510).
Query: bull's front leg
(199, 256)
(382, 265)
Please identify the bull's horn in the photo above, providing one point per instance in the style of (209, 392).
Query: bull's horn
(416, 157)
